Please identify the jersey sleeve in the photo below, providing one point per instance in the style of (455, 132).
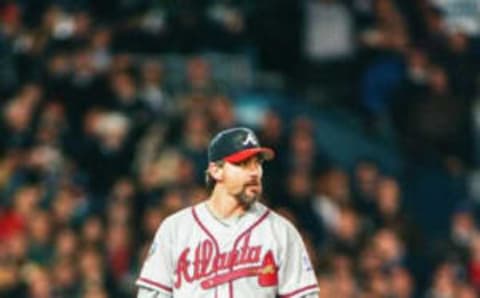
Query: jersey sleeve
(296, 274)
(157, 270)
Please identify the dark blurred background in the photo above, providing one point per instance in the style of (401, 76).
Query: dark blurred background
(372, 106)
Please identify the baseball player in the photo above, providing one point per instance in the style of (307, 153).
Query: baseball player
(231, 245)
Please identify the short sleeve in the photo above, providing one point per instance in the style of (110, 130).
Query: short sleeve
(296, 274)
(157, 270)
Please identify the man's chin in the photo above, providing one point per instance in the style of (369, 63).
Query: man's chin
(248, 200)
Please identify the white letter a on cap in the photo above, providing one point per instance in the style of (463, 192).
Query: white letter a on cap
(250, 139)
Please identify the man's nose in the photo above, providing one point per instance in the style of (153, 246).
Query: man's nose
(254, 169)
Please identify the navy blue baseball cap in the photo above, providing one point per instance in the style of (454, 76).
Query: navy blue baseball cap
(236, 145)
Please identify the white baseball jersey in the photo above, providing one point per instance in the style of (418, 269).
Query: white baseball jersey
(195, 255)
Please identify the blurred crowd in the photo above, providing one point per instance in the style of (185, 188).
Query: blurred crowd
(97, 148)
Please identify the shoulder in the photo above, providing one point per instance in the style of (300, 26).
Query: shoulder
(279, 222)
(179, 216)
(177, 220)
(275, 217)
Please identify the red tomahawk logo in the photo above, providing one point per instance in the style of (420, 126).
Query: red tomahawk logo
(266, 272)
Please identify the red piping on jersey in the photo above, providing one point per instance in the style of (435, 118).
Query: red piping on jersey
(204, 228)
(228, 277)
(156, 284)
(292, 294)
(248, 230)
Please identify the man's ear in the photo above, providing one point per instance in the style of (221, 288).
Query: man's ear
(216, 171)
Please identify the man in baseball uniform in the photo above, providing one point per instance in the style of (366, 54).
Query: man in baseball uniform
(231, 245)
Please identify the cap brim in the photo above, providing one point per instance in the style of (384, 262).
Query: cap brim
(240, 156)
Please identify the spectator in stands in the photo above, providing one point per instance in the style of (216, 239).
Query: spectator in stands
(473, 265)
(364, 183)
(222, 113)
(101, 49)
(327, 52)
(401, 283)
(194, 141)
(66, 242)
(460, 62)
(199, 80)
(390, 248)
(40, 234)
(444, 282)
(272, 134)
(438, 118)
(39, 282)
(347, 236)
(152, 89)
(389, 213)
(302, 153)
(330, 193)
(65, 277)
(92, 232)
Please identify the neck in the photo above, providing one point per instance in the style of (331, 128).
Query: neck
(224, 205)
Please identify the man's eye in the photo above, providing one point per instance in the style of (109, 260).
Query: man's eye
(242, 163)
(245, 163)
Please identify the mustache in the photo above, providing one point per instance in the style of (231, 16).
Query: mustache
(253, 183)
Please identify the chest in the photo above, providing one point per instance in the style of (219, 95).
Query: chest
(211, 261)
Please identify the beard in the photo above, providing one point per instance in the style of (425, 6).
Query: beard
(246, 199)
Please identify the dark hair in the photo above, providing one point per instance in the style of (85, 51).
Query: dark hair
(210, 182)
